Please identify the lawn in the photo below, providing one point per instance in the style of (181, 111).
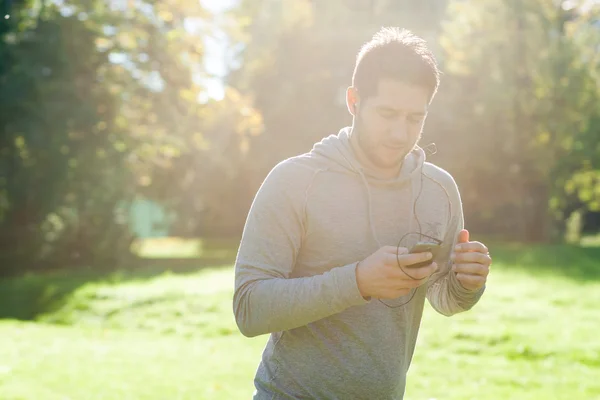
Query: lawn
(160, 334)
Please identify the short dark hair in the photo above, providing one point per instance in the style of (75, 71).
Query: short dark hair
(396, 54)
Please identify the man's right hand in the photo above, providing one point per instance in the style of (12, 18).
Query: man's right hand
(379, 275)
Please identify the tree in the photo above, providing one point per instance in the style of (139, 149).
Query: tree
(296, 61)
(56, 156)
(100, 102)
(520, 97)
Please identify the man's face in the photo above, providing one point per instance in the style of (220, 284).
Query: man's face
(389, 123)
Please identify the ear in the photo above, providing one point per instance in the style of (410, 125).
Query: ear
(352, 100)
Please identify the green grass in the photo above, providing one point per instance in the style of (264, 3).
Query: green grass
(48, 362)
(171, 336)
(185, 248)
(529, 338)
(159, 334)
(33, 294)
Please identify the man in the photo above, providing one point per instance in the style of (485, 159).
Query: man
(324, 264)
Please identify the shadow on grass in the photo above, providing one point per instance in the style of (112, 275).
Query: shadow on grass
(572, 262)
(31, 295)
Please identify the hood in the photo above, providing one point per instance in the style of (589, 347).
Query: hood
(336, 152)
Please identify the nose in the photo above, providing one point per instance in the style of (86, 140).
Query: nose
(400, 131)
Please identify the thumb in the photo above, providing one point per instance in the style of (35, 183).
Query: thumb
(463, 236)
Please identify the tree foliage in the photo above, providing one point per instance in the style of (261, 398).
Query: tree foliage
(516, 118)
(99, 103)
(102, 103)
(297, 61)
(525, 84)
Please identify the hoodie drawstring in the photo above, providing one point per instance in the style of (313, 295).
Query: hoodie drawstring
(337, 149)
(416, 187)
(370, 216)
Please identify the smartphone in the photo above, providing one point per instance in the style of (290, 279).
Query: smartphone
(433, 248)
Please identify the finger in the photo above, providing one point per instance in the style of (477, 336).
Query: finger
(391, 259)
(463, 236)
(471, 246)
(466, 258)
(394, 250)
(417, 275)
(471, 269)
(394, 260)
(471, 280)
(409, 259)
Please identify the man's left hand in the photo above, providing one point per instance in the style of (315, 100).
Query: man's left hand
(472, 262)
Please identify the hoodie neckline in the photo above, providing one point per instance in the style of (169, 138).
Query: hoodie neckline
(339, 156)
(338, 150)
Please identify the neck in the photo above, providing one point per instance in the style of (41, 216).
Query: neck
(367, 163)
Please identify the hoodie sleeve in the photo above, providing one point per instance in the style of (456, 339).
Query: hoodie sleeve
(444, 292)
(266, 298)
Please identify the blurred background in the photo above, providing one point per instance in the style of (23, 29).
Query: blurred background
(135, 133)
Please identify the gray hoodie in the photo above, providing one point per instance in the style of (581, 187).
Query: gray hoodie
(313, 219)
